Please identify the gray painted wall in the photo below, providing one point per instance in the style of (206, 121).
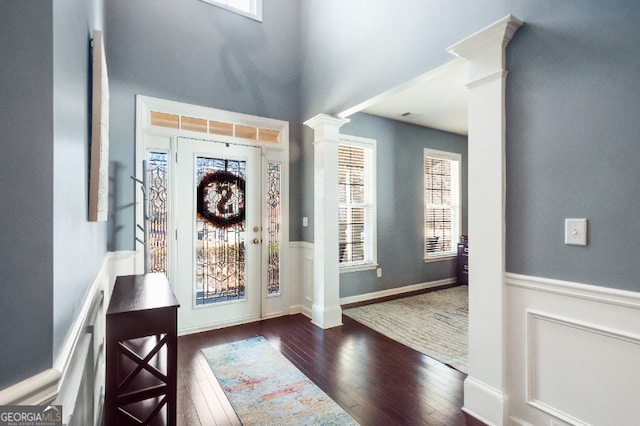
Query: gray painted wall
(573, 141)
(572, 107)
(370, 48)
(354, 50)
(572, 129)
(26, 170)
(400, 225)
(192, 52)
(79, 246)
(50, 253)
(585, 51)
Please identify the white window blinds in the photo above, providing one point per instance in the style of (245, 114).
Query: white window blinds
(356, 222)
(441, 202)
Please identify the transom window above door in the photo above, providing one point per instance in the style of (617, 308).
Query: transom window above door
(214, 127)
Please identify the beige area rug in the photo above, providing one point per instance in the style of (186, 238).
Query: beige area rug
(433, 323)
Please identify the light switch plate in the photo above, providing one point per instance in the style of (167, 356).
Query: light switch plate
(575, 232)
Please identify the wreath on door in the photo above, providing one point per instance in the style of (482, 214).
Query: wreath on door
(219, 194)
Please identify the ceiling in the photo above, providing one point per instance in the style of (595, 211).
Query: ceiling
(437, 99)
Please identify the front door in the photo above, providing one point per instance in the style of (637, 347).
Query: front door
(218, 213)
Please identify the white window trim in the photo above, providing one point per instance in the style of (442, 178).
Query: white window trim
(373, 262)
(457, 215)
(439, 257)
(255, 14)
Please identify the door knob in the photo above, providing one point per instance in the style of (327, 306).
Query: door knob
(256, 241)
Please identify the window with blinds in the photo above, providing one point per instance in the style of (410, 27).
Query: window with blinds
(356, 188)
(441, 203)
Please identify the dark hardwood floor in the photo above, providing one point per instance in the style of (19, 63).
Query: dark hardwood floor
(375, 379)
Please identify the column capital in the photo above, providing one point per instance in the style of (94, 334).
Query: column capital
(326, 126)
(485, 49)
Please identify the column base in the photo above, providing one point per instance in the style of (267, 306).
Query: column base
(484, 402)
(326, 317)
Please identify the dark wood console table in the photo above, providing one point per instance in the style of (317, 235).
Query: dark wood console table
(141, 352)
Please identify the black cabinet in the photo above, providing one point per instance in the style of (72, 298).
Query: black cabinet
(141, 350)
(463, 263)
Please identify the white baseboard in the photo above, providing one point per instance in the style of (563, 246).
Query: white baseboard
(573, 352)
(395, 291)
(301, 275)
(300, 309)
(217, 325)
(489, 400)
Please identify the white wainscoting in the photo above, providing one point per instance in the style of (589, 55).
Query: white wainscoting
(82, 360)
(301, 277)
(573, 353)
(76, 380)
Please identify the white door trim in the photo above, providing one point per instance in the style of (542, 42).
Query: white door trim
(149, 136)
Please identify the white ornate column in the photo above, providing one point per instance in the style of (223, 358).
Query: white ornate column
(326, 311)
(484, 390)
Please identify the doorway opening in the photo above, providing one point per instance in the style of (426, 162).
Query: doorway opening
(213, 215)
(485, 51)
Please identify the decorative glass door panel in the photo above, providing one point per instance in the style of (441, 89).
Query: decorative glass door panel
(274, 218)
(219, 234)
(157, 190)
(220, 229)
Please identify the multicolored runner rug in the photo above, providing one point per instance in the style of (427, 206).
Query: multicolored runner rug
(264, 388)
